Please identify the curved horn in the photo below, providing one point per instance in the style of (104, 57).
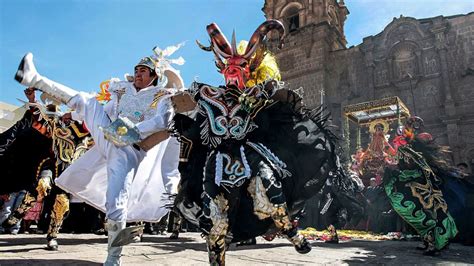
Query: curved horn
(219, 63)
(205, 48)
(259, 55)
(220, 52)
(220, 43)
(260, 33)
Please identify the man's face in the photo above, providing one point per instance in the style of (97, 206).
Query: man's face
(462, 168)
(142, 77)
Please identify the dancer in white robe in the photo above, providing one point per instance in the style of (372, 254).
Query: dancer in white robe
(134, 162)
(155, 178)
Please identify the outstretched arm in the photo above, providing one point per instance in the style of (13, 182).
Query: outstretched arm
(160, 121)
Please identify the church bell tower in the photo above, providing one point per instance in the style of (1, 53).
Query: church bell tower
(314, 28)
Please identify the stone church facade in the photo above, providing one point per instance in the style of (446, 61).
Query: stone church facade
(428, 63)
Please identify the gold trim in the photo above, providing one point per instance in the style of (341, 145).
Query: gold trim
(185, 148)
(78, 132)
(373, 106)
(38, 170)
(156, 98)
(428, 196)
(384, 123)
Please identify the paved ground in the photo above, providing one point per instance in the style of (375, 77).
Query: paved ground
(89, 249)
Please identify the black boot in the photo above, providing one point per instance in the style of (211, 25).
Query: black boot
(422, 246)
(304, 247)
(174, 235)
(301, 244)
(431, 252)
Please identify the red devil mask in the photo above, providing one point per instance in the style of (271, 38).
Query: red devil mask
(237, 68)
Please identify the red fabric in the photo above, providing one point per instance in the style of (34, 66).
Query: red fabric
(399, 141)
(425, 137)
(34, 213)
(84, 127)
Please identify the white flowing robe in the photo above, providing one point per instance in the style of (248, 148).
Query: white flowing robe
(157, 175)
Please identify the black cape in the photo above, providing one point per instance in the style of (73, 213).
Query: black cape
(22, 148)
(281, 126)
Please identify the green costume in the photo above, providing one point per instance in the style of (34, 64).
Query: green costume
(413, 187)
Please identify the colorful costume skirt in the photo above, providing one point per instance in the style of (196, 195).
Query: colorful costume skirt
(420, 203)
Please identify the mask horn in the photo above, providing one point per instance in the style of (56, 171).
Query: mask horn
(219, 64)
(234, 44)
(258, 37)
(219, 42)
(205, 48)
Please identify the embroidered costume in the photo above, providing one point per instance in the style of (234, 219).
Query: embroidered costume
(17, 158)
(134, 161)
(413, 183)
(69, 142)
(253, 154)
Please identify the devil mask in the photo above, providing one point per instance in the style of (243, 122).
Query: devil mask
(236, 67)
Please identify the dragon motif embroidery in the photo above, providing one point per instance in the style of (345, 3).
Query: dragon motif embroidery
(228, 119)
(428, 196)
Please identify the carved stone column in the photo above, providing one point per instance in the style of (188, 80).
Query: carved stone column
(370, 65)
(450, 119)
(453, 139)
(445, 74)
(370, 76)
(419, 61)
(390, 75)
(440, 44)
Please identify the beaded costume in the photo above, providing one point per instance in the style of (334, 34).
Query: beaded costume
(69, 142)
(254, 153)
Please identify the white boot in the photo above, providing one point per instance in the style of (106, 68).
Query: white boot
(28, 76)
(113, 253)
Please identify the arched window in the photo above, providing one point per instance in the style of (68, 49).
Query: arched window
(405, 60)
(292, 18)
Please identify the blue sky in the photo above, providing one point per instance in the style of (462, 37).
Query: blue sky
(84, 42)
